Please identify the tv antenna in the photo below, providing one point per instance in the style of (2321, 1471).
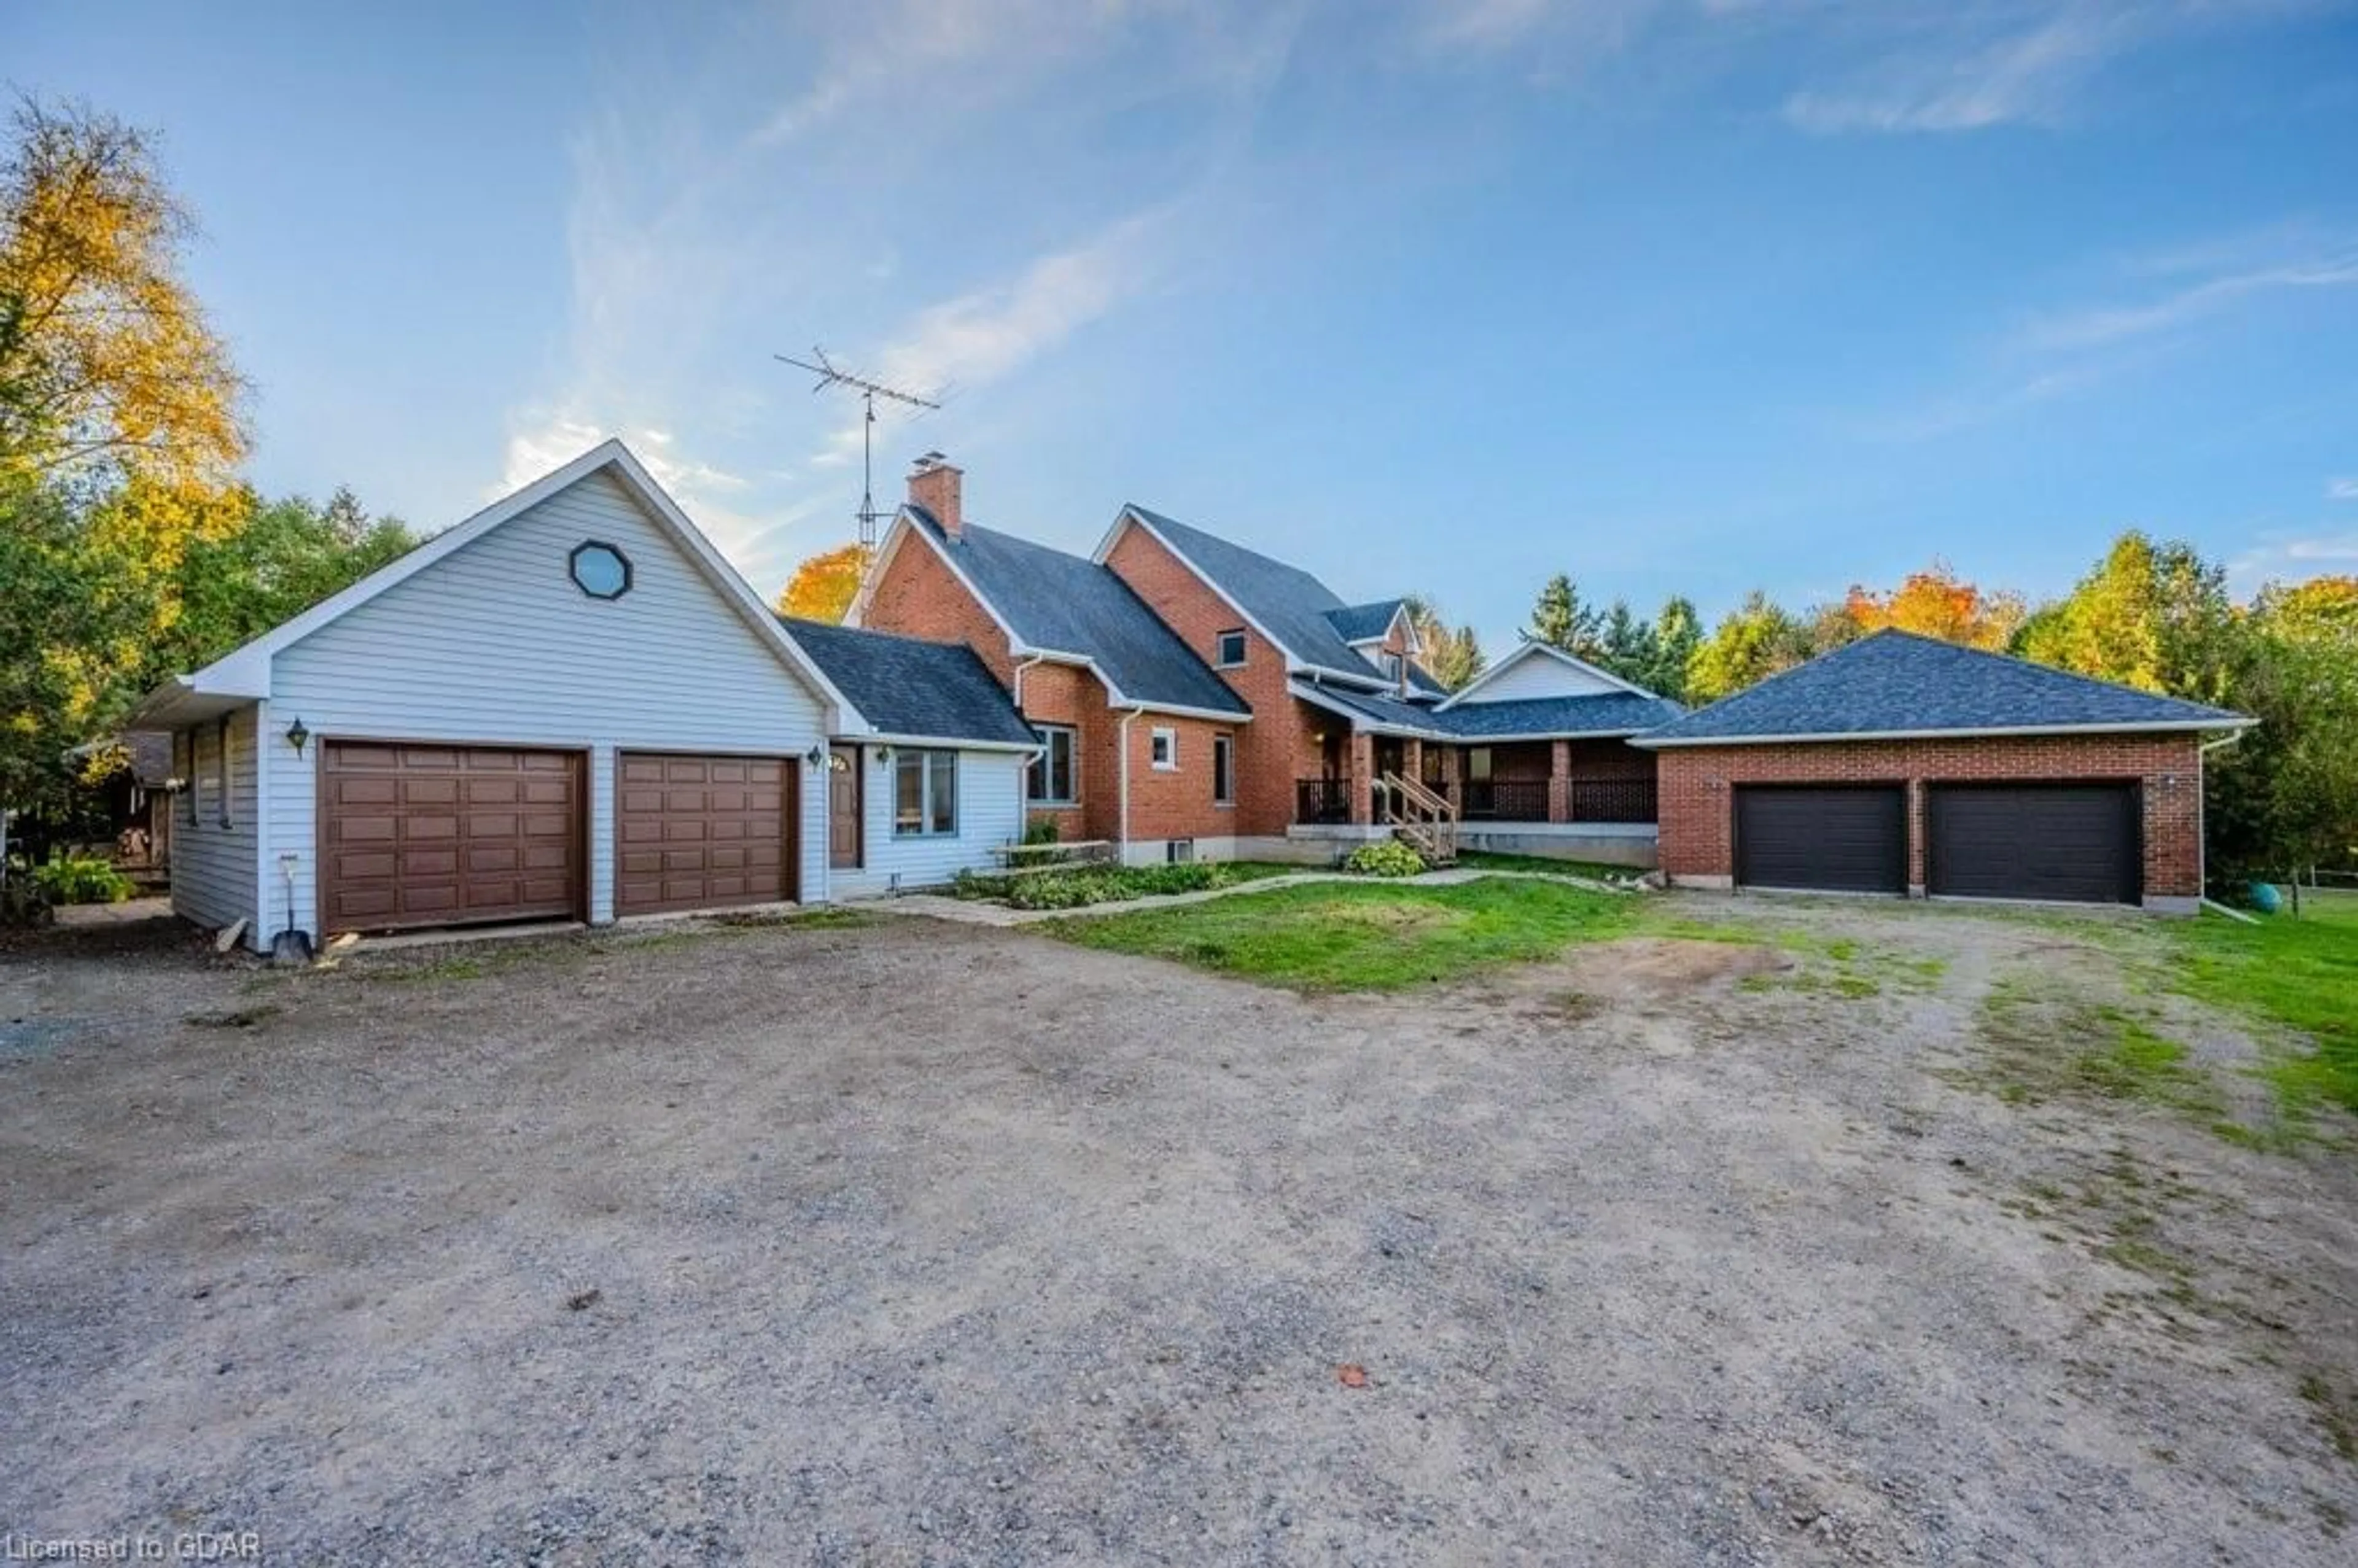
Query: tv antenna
(829, 374)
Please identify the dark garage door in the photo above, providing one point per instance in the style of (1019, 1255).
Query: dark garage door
(1836, 838)
(702, 832)
(2076, 842)
(422, 835)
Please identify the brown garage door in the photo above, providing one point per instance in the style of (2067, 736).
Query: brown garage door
(2075, 842)
(702, 832)
(1836, 838)
(425, 835)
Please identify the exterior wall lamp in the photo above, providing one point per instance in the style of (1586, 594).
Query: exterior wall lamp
(815, 756)
(296, 735)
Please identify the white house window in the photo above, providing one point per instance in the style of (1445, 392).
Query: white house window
(1224, 770)
(220, 774)
(600, 570)
(1055, 778)
(1232, 650)
(1162, 748)
(925, 794)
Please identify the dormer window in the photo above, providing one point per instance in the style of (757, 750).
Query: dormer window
(1231, 650)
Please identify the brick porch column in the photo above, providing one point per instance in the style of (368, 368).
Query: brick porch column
(1363, 776)
(1452, 774)
(1413, 760)
(1560, 781)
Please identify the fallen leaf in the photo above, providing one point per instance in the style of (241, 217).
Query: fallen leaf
(1351, 1375)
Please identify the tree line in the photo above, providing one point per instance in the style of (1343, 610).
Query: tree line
(131, 548)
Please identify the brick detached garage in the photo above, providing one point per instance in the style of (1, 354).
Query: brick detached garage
(1908, 766)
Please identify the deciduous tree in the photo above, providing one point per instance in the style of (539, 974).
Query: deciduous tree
(1751, 642)
(1453, 655)
(823, 586)
(1936, 602)
(105, 356)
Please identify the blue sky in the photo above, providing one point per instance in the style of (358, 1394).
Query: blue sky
(1444, 295)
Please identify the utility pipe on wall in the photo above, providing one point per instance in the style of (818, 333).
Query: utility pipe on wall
(1121, 828)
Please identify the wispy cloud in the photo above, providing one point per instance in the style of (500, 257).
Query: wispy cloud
(986, 334)
(2031, 77)
(2341, 489)
(2289, 556)
(1951, 66)
(2108, 324)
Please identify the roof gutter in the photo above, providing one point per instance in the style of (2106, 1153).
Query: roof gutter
(1654, 742)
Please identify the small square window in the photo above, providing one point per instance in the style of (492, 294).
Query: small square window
(1231, 651)
(1162, 748)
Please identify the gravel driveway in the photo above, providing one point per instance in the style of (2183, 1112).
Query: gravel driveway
(917, 1243)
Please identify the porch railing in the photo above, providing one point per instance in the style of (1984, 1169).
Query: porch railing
(1613, 800)
(1508, 800)
(1425, 819)
(1322, 800)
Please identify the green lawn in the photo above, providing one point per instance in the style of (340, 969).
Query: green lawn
(2302, 974)
(1485, 859)
(1365, 937)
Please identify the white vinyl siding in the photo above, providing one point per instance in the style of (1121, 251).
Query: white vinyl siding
(496, 645)
(1536, 674)
(214, 871)
(990, 814)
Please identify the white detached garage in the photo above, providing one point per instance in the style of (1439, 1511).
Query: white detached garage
(568, 706)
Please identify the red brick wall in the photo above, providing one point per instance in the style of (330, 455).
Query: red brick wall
(1697, 804)
(1277, 741)
(919, 596)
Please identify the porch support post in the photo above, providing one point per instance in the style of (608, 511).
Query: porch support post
(1560, 781)
(1453, 775)
(1363, 777)
(1413, 760)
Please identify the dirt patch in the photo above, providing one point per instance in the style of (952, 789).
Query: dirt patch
(1638, 968)
(1400, 918)
(937, 1243)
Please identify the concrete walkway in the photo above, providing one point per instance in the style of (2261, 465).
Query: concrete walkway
(975, 912)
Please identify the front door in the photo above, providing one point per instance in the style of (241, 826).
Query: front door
(843, 814)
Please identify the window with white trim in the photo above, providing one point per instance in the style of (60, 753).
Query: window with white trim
(1224, 770)
(1055, 778)
(1231, 650)
(186, 774)
(220, 767)
(925, 794)
(1162, 748)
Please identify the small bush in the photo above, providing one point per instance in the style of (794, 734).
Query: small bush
(82, 882)
(1044, 832)
(1389, 857)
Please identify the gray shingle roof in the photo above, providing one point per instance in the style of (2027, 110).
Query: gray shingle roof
(1364, 622)
(1604, 713)
(1071, 605)
(1895, 682)
(905, 686)
(1290, 604)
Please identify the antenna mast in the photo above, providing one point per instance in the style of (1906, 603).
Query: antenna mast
(870, 391)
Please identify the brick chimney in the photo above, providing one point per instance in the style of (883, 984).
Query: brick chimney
(939, 488)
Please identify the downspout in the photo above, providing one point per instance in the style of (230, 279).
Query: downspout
(1121, 828)
(2202, 822)
(1035, 659)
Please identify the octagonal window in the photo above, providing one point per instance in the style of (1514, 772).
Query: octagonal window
(601, 571)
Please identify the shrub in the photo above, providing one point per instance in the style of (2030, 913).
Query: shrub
(1389, 857)
(81, 882)
(1044, 832)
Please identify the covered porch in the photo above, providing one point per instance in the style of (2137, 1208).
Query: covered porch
(1573, 798)
(1562, 780)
